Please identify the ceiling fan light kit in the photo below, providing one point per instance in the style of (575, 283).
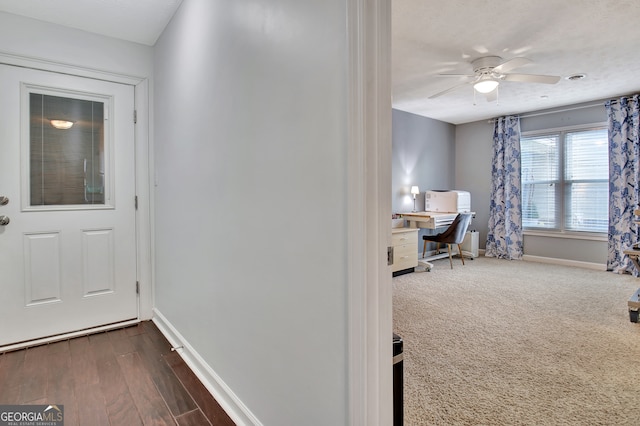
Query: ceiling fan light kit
(485, 85)
(489, 71)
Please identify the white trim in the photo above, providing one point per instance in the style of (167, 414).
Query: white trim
(369, 210)
(66, 336)
(561, 181)
(357, 289)
(145, 203)
(567, 235)
(222, 393)
(62, 68)
(565, 262)
(26, 90)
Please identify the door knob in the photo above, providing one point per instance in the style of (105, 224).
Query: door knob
(3, 200)
(4, 220)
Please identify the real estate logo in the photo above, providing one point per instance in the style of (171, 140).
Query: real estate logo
(31, 415)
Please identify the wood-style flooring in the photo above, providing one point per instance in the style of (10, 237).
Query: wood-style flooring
(123, 377)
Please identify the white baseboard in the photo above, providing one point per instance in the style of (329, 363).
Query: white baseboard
(565, 262)
(238, 412)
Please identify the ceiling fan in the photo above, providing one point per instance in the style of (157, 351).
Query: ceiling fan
(489, 71)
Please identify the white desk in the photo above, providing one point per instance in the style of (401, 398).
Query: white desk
(431, 220)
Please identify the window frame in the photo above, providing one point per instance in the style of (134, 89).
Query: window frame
(561, 183)
(26, 90)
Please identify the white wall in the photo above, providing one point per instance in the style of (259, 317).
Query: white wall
(37, 39)
(250, 141)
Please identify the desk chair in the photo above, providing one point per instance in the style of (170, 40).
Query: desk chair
(454, 234)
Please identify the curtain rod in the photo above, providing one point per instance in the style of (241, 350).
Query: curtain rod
(536, 114)
(575, 108)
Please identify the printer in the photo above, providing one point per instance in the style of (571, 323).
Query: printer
(447, 200)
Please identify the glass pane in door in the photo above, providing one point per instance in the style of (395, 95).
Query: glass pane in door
(66, 151)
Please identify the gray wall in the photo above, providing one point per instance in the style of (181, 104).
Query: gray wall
(423, 154)
(250, 101)
(473, 171)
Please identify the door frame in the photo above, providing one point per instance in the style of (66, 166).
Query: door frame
(369, 213)
(143, 166)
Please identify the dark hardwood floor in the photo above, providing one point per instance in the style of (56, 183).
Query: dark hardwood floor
(124, 377)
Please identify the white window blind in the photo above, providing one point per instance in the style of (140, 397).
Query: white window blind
(565, 181)
(540, 157)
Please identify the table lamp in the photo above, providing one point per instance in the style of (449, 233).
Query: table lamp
(414, 191)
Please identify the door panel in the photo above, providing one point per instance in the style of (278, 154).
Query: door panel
(68, 253)
(98, 249)
(42, 268)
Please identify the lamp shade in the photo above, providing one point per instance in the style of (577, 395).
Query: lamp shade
(415, 190)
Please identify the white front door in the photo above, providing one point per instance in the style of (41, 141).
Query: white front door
(67, 204)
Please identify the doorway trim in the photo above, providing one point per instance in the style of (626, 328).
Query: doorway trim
(369, 213)
(143, 165)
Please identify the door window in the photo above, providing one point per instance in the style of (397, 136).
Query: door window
(68, 154)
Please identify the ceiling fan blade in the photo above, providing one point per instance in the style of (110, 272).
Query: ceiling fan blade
(450, 89)
(456, 75)
(532, 78)
(511, 64)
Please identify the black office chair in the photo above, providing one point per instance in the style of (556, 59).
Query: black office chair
(454, 234)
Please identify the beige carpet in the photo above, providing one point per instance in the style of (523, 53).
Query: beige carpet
(500, 342)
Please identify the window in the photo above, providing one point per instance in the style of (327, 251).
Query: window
(66, 150)
(565, 181)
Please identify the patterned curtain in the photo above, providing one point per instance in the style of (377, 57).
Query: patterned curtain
(624, 179)
(504, 239)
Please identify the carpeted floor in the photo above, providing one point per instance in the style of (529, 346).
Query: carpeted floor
(500, 342)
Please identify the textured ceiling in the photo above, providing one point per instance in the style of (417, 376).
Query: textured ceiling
(594, 37)
(140, 21)
(599, 38)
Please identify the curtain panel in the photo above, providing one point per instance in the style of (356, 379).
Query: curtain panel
(504, 237)
(624, 180)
